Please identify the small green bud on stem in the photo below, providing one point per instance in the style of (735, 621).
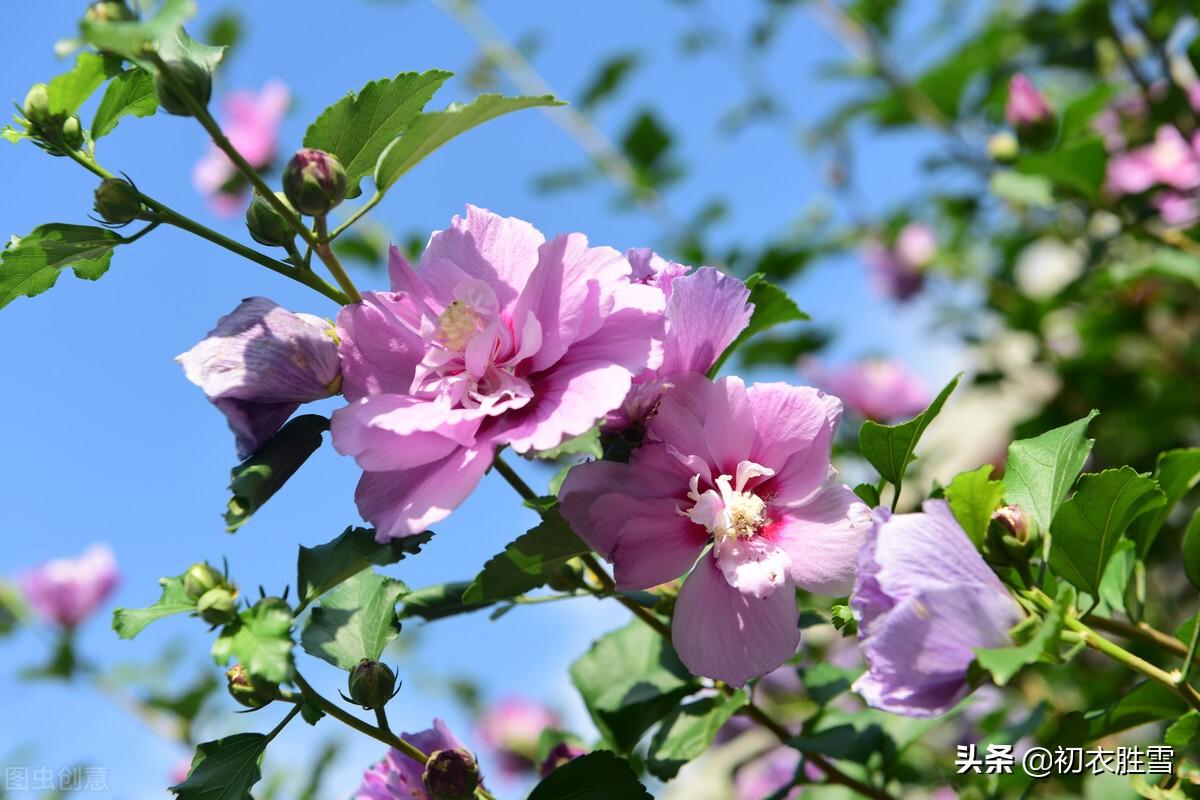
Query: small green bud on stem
(200, 577)
(109, 11)
(117, 202)
(266, 225)
(372, 684)
(217, 606)
(314, 181)
(248, 690)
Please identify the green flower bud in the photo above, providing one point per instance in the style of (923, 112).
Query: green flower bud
(314, 182)
(250, 691)
(1003, 147)
(117, 202)
(372, 684)
(451, 775)
(266, 225)
(191, 78)
(1013, 536)
(36, 107)
(72, 133)
(200, 577)
(217, 606)
(109, 11)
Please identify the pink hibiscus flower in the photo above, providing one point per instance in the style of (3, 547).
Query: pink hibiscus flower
(743, 469)
(66, 591)
(500, 337)
(879, 389)
(251, 123)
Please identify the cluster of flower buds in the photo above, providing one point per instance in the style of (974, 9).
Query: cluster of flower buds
(56, 131)
(249, 690)
(451, 774)
(216, 599)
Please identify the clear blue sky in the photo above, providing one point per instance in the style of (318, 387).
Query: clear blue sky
(106, 441)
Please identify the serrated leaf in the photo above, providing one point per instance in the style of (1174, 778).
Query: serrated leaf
(255, 480)
(890, 448)
(1176, 472)
(973, 497)
(1005, 662)
(431, 130)
(1184, 732)
(596, 776)
(355, 621)
(130, 93)
(630, 679)
(527, 562)
(688, 731)
(320, 568)
(772, 307)
(129, 622)
(163, 32)
(1039, 472)
(224, 769)
(68, 91)
(359, 127)
(261, 641)
(439, 601)
(1089, 525)
(31, 265)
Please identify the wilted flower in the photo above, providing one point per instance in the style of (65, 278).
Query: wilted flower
(925, 601)
(67, 591)
(399, 777)
(511, 728)
(260, 363)
(251, 123)
(747, 470)
(878, 389)
(1026, 106)
(499, 338)
(767, 774)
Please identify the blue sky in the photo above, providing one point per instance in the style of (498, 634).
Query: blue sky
(106, 441)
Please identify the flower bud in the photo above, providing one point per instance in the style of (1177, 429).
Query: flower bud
(191, 78)
(250, 691)
(36, 107)
(451, 775)
(108, 11)
(200, 578)
(266, 225)
(1028, 112)
(560, 754)
(314, 181)
(117, 202)
(1003, 147)
(1013, 536)
(72, 133)
(217, 606)
(372, 684)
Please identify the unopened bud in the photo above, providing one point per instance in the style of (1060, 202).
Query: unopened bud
(36, 107)
(117, 202)
(72, 133)
(1013, 536)
(179, 80)
(217, 606)
(314, 181)
(266, 225)
(372, 684)
(1003, 147)
(250, 691)
(560, 754)
(451, 775)
(200, 578)
(108, 11)
(1029, 113)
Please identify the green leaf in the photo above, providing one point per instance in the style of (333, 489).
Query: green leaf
(527, 562)
(224, 769)
(1080, 166)
(255, 480)
(772, 307)
(31, 264)
(1039, 471)
(129, 622)
(824, 682)
(1184, 732)
(1035, 191)
(630, 679)
(354, 621)
(890, 448)
(430, 131)
(358, 128)
(1115, 580)
(688, 731)
(1005, 662)
(320, 568)
(1078, 114)
(596, 776)
(1147, 702)
(68, 91)
(1191, 550)
(845, 742)
(1089, 525)
(261, 641)
(130, 93)
(973, 497)
(586, 444)
(439, 601)
(1176, 472)
(162, 32)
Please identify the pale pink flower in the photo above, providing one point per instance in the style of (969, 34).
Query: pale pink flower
(511, 729)
(747, 471)
(500, 337)
(66, 591)
(916, 245)
(251, 123)
(883, 390)
(1169, 161)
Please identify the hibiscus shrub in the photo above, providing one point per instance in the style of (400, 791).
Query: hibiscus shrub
(731, 536)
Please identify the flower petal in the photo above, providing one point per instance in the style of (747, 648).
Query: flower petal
(706, 312)
(654, 545)
(380, 348)
(823, 537)
(407, 502)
